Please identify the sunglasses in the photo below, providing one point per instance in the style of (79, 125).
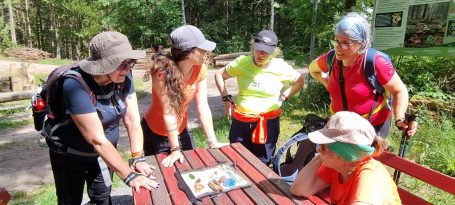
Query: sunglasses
(342, 45)
(127, 65)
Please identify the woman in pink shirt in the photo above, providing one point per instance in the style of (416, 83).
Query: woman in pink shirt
(352, 40)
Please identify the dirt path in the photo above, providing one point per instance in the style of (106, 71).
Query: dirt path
(24, 164)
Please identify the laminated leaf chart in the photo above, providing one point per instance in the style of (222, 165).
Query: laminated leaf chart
(212, 180)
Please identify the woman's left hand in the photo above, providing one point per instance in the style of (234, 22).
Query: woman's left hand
(218, 145)
(410, 128)
(145, 169)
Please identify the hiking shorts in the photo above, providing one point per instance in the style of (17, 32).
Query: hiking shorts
(242, 132)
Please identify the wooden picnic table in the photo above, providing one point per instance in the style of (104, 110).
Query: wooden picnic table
(267, 187)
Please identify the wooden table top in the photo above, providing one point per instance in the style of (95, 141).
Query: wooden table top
(267, 187)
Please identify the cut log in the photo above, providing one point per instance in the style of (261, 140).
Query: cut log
(222, 63)
(14, 96)
(230, 55)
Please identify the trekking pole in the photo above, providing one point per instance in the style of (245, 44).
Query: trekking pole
(403, 145)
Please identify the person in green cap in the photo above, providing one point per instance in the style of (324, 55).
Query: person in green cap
(345, 162)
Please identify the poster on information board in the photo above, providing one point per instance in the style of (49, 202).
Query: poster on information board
(415, 27)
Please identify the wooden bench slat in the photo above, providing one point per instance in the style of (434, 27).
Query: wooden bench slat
(142, 197)
(159, 196)
(420, 172)
(253, 192)
(178, 197)
(409, 198)
(267, 187)
(196, 163)
(272, 176)
(236, 196)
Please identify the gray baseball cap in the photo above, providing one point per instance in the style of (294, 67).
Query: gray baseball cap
(188, 36)
(266, 40)
(108, 50)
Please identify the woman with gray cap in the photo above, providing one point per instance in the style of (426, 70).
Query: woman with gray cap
(82, 143)
(354, 93)
(177, 79)
(344, 161)
(260, 78)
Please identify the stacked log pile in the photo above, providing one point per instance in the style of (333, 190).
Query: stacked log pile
(224, 59)
(26, 54)
(144, 61)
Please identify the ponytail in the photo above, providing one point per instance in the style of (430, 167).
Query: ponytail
(380, 144)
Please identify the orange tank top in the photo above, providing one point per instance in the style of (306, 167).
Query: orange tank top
(154, 114)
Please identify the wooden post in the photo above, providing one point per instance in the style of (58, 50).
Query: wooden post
(22, 77)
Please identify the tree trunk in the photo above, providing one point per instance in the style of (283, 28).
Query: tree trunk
(182, 3)
(272, 14)
(29, 28)
(54, 21)
(11, 23)
(349, 5)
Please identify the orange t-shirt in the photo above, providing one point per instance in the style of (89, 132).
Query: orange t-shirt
(370, 183)
(154, 115)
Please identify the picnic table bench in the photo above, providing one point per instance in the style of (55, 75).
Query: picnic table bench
(267, 187)
(432, 177)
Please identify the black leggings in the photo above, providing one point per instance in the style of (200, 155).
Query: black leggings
(70, 175)
(155, 143)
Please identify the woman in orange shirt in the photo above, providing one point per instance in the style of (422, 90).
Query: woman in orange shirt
(176, 80)
(344, 162)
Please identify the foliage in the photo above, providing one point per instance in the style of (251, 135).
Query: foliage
(315, 96)
(428, 76)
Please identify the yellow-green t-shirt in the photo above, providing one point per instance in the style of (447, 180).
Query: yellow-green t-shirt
(260, 88)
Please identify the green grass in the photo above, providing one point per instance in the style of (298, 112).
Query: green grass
(44, 195)
(49, 61)
(54, 61)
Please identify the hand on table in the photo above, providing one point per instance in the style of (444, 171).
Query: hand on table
(143, 181)
(174, 156)
(145, 169)
(218, 144)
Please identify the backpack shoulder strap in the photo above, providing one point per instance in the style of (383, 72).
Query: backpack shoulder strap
(370, 70)
(330, 60)
(71, 73)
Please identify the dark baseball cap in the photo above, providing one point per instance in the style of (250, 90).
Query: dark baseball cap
(108, 50)
(266, 40)
(188, 36)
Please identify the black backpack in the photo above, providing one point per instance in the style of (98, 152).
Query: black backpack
(306, 149)
(51, 95)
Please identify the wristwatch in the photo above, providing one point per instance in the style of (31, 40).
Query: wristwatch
(177, 148)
